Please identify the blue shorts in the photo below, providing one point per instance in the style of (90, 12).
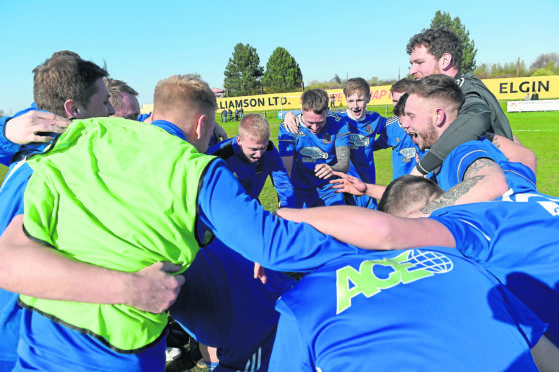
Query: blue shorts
(46, 345)
(318, 197)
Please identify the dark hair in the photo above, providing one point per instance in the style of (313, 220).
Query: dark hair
(400, 108)
(401, 85)
(439, 41)
(406, 190)
(63, 77)
(437, 86)
(315, 100)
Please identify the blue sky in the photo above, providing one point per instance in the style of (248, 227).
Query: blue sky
(145, 41)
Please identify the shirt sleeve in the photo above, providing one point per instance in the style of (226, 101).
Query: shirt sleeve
(281, 180)
(246, 227)
(286, 141)
(470, 236)
(342, 137)
(462, 158)
(290, 353)
(7, 148)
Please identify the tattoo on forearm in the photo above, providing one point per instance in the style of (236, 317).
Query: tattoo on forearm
(342, 156)
(451, 196)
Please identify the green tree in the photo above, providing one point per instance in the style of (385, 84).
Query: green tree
(442, 19)
(282, 72)
(243, 72)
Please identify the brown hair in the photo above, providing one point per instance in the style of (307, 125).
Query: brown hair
(63, 77)
(440, 87)
(439, 41)
(407, 190)
(315, 100)
(357, 84)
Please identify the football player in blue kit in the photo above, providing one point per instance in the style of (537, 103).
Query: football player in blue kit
(364, 126)
(39, 345)
(222, 306)
(425, 309)
(404, 151)
(515, 237)
(474, 171)
(320, 146)
(252, 158)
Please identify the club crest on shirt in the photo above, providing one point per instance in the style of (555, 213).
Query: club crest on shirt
(312, 154)
(327, 138)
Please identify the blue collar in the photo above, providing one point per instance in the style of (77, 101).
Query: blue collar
(170, 128)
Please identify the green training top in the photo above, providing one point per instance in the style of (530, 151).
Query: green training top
(121, 195)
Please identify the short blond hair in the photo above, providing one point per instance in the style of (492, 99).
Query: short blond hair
(255, 125)
(180, 90)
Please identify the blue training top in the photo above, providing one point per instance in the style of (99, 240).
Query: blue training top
(517, 241)
(417, 310)
(404, 150)
(223, 306)
(253, 175)
(519, 177)
(11, 195)
(274, 242)
(310, 149)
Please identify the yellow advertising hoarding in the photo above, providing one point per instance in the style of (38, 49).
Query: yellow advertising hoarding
(504, 89)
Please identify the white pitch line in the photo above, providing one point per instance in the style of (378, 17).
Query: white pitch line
(536, 130)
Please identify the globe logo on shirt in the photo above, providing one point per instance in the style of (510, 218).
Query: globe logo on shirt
(431, 261)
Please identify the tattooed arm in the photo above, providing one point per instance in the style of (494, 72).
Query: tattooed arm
(342, 156)
(484, 180)
(514, 150)
(341, 165)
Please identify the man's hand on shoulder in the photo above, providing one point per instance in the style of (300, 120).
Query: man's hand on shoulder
(33, 126)
(291, 122)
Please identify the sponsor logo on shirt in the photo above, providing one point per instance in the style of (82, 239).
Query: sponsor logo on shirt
(312, 154)
(358, 140)
(408, 154)
(375, 276)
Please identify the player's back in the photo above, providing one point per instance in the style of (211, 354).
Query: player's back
(417, 310)
(516, 240)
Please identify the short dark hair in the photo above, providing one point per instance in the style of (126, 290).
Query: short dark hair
(401, 85)
(438, 86)
(400, 108)
(315, 100)
(439, 41)
(406, 190)
(63, 77)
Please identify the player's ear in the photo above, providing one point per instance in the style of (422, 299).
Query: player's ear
(440, 117)
(71, 108)
(445, 61)
(200, 126)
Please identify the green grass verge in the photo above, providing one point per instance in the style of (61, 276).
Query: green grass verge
(537, 130)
